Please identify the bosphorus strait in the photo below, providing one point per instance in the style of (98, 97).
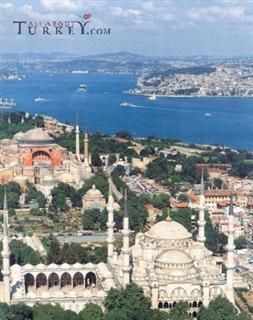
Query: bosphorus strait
(222, 120)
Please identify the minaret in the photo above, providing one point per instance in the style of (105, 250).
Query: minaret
(201, 222)
(230, 254)
(110, 223)
(86, 149)
(77, 140)
(6, 254)
(125, 250)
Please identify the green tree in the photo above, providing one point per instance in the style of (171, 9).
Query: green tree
(183, 216)
(91, 312)
(54, 252)
(240, 243)
(112, 159)
(124, 135)
(94, 219)
(48, 312)
(23, 254)
(219, 308)
(182, 197)
(21, 312)
(34, 194)
(161, 201)
(36, 212)
(5, 313)
(129, 304)
(180, 312)
(95, 159)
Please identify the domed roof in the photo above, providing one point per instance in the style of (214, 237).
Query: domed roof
(66, 178)
(18, 135)
(174, 257)
(35, 135)
(168, 230)
(94, 193)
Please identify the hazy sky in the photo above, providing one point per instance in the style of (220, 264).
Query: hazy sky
(160, 28)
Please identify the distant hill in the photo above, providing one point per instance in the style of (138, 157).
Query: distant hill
(57, 56)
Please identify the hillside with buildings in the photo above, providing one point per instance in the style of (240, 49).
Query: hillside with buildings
(115, 212)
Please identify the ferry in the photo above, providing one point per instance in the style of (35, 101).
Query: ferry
(153, 97)
(39, 99)
(7, 104)
(83, 87)
(80, 71)
(129, 105)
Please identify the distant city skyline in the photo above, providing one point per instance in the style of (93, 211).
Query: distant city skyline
(151, 28)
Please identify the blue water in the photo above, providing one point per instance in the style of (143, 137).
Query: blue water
(230, 122)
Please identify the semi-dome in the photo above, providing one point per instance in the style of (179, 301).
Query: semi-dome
(174, 257)
(168, 230)
(35, 136)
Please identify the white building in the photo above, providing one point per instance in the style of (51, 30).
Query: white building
(165, 261)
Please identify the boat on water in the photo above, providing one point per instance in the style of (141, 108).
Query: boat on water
(129, 105)
(39, 99)
(7, 104)
(80, 71)
(153, 97)
(83, 87)
(208, 114)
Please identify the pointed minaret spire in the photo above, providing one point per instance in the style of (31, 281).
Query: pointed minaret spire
(125, 249)
(202, 186)
(125, 206)
(110, 223)
(86, 148)
(5, 214)
(77, 139)
(6, 253)
(201, 222)
(230, 254)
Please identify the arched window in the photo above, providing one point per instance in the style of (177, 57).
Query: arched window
(194, 305)
(29, 281)
(65, 279)
(174, 304)
(200, 304)
(194, 314)
(90, 280)
(40, 155)
(78, 279)
(160, 305)
(166, 305)
(53, 280)
(41, 280)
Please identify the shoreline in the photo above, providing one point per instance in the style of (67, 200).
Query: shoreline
(183, 96)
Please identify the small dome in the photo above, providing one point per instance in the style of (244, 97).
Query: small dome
(94, 193)
(168, 230)
(66, 178)
(18, 135)
(36, 135)
(174, 257)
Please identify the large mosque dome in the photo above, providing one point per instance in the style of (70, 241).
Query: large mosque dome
(35, 136)
(168, 230)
